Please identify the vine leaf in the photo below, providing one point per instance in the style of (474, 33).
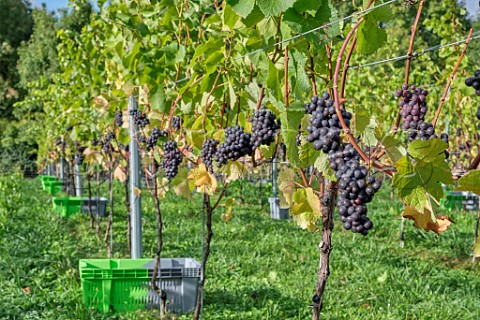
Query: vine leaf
(119, 174)
(426, 220)
(181, 185)
(234, 170)
(370, 37)
(286, 185)
(307, 5)
(418, 176)
(306, 209)
(137, 191)
(203, 180)
(227, 216)
(162, 188)
(365, 126)
(290, 122)
(323, 165)
(306, 153)
(157, 101)
(470, 182)
(427, 150)
(394, 148)
(274, 7)
(242, 7)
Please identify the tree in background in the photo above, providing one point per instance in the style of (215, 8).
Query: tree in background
(28, 61)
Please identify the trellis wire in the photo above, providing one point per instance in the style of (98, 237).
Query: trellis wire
(415, 54)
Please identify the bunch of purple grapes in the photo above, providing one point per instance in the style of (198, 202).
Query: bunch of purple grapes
(356, 188)
(237, 144)
(171, 159)
(413, 105)
(209, 148)
(118, 118)
(265, 126)
(474, 82)
(324, 129)
(154, 136)
(140, 118)
(176, 123)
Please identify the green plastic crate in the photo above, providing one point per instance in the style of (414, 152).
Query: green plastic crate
(67, 206)
(454, 200)
(53, 187)
(125, 284)
(45, 179)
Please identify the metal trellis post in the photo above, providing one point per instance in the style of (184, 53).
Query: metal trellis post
(135, 181)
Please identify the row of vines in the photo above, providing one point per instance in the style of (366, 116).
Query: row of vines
(227, 84)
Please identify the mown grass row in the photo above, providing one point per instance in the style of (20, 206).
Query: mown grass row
(259, 268)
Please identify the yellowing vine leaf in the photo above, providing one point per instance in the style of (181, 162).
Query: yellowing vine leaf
(100, 102)
(227, 216)
(181, 185)
(120, 174)
(286, 186)
(162, 188)
(203, 180)
(306, 209)
(233, 170)
(427, 220)
(137, 191)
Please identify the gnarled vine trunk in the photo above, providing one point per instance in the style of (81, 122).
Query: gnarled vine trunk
(206, 253)
(327, 207)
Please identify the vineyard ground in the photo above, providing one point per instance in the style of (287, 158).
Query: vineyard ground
(258, 269)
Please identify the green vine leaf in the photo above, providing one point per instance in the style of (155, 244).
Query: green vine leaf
(242, 7)
(470, 182)
(370, 37)
(418, 176)
(274, 7)
(323, 165)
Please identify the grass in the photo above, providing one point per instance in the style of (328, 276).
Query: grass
(259, 268)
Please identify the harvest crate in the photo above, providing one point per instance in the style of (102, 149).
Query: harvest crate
(98, 206)
(47, 178)
(125, 284)
(460, 200)
(67, 206)
(44, 179)
(53, 187)
(275, 211)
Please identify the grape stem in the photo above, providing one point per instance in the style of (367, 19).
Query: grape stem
(412, 40)
(450, 79)
(207, 104)
(346, 66)
(314, 84)
(409, 58)
(328, 52)
(260, 99)
(304, 178)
